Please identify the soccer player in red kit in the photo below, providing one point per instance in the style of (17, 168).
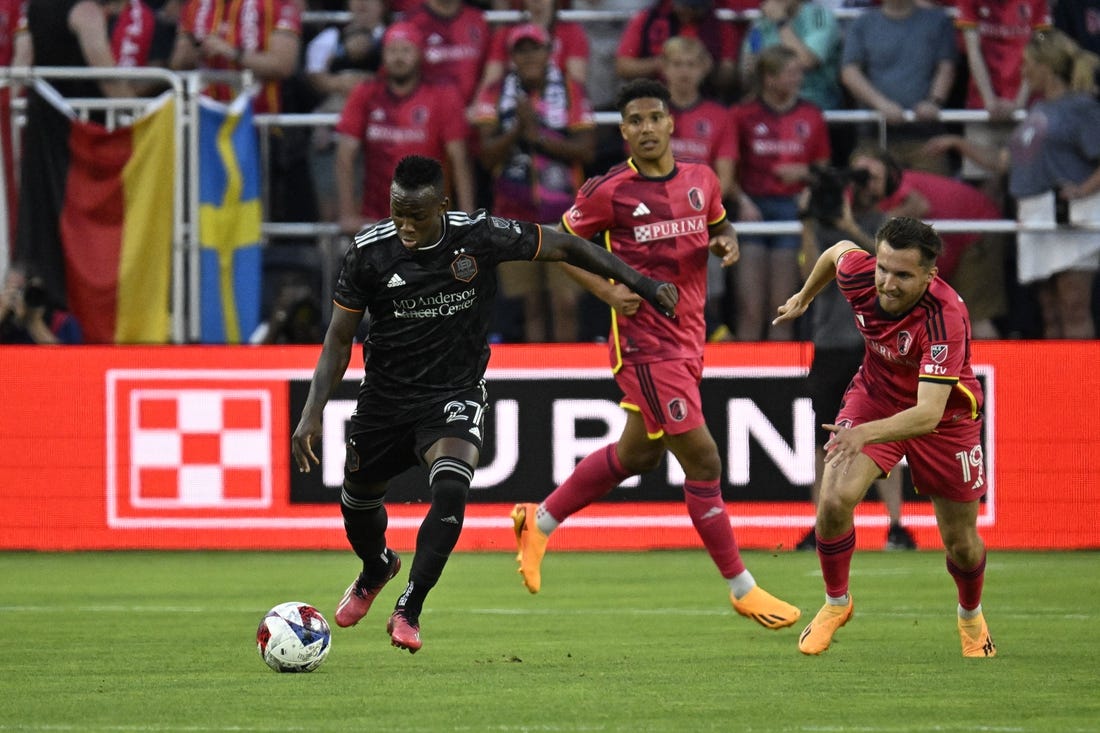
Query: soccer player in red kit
(662, 217)
(916, 396)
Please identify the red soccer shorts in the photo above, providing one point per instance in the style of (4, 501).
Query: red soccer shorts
(947, 462)
(666, 393)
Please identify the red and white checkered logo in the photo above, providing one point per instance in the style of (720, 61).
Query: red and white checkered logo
(199, 448)
(193, 448)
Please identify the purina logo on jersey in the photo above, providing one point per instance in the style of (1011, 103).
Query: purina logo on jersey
(183, 448)
(669, 229)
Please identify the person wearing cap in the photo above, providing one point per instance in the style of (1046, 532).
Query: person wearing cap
(392, 116)
(537, 130)
(568, 44)
(639, 54)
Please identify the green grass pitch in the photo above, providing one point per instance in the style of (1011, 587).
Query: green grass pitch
(136, 642)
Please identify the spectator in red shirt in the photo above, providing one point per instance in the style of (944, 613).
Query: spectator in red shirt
(778, 137)
(702, 133)
(456, 44)
(994, 35)
(537, 131)
(639, 54)
(568, 44)
(393, 116)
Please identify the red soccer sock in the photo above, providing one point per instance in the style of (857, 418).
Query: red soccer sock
(969, 583)
(707, 510)
(835, 556)
(593, 478)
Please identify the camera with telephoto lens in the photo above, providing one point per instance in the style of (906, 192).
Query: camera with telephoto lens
(827, 185)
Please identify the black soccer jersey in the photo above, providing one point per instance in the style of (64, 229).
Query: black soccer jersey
(430, 308)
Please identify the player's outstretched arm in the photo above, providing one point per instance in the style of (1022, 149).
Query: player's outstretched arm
(333, 362)
(559, 246)
(823, 273)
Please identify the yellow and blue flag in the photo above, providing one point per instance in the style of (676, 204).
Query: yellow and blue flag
(230, 218)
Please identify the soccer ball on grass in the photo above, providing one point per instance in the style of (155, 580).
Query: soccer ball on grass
(293, 637)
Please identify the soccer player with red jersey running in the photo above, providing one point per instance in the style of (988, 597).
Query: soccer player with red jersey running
(914, 396)
(662, 217)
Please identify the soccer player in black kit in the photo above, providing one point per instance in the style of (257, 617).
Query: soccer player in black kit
(427, 277)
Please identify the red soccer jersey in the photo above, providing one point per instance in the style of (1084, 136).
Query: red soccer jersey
(569, 41)
(930, 343)
(702, 133)
(765, 138)
(948, 198)
(658, 226)
(455, 48)
(1004, 27)
(390, 127)
(132, 36)
(248, 25)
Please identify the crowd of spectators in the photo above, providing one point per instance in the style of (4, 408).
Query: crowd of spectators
(509, 108)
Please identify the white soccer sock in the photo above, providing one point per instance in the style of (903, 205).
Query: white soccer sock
(973, 613)
(836, 600)
(741, 584)
(544, 521)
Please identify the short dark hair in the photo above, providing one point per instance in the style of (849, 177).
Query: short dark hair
(905, 232)
(417, 171)
(643, 89)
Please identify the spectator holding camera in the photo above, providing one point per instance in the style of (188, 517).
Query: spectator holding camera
(778, 136)
(973, 263)
(28, 317)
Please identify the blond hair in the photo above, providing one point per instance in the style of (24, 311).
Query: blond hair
(688, 46)
(1062, 55)
(771, 61)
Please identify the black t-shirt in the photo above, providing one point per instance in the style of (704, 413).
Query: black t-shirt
(430, 308)
(56, 45)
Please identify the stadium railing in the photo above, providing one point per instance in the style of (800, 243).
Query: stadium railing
(185, 256)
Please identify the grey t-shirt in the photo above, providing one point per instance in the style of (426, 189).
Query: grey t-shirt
(1057, 144)
(899, 57)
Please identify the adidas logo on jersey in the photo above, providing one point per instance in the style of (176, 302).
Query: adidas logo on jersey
(641, 210)
(395, 281)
